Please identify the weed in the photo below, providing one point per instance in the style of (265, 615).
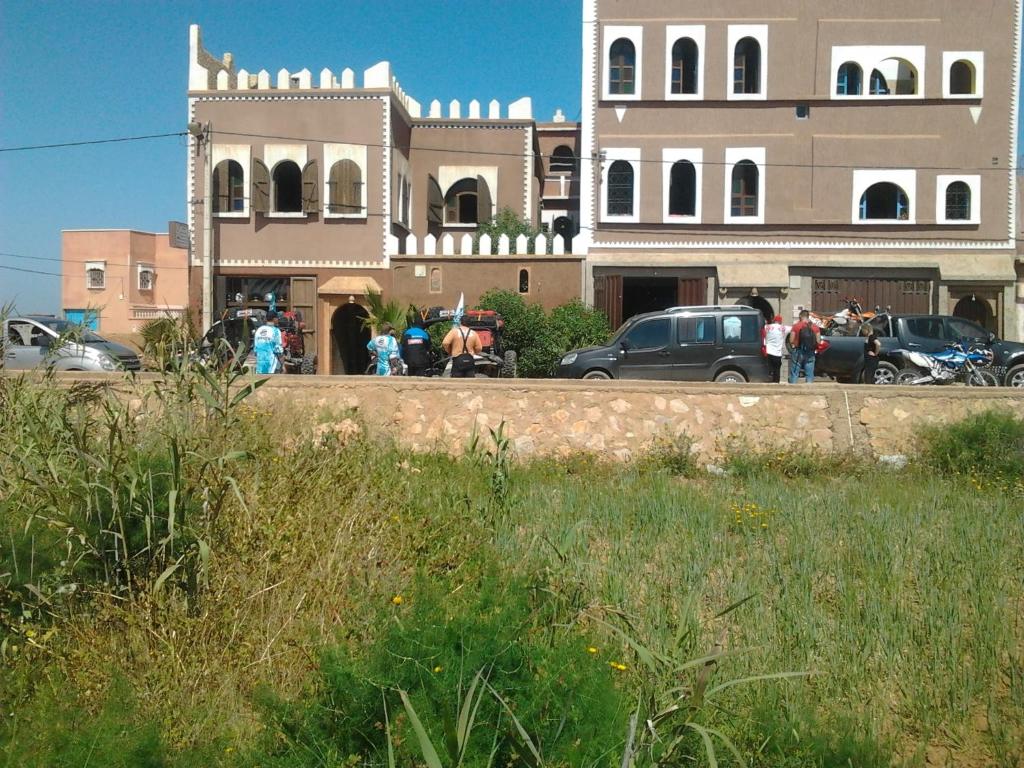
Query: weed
(987, 447)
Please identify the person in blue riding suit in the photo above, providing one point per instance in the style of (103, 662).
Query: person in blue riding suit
(416, 349)
(385, 346)
(267, 345)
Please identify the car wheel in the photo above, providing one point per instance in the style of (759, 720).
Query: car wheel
(730, 377)
(886, 373)
(308, 366)
(1015, 377)
(596, 375)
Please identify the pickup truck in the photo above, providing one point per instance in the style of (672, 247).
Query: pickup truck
(843, 357)
(38, 341)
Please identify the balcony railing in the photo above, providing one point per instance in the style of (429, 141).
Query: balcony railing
(485, 245)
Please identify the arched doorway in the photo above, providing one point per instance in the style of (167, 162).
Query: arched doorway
(977, 310)
(349, 338)
(760, 304)
(564, 226)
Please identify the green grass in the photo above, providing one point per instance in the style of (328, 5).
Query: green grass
(576, 589)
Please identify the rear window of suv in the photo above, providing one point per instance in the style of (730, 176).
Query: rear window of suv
(740, 329)
(925, 327)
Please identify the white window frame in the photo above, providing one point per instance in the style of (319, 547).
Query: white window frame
(403, 190)
(274, 154)
(450, 175)
(943, 181)
(89, 267)
(734, 155)
(736, 33)
(697, 33)
(630, 155)
(869, 57)
(610, 34)
(241, 154)
(334, 153)
(905, 178)
(670, 157)
(977, 60)
(151, 271)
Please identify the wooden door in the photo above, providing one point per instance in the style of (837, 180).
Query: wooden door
(608, 298)
(303, 299)
(902, 296)
(693, 292)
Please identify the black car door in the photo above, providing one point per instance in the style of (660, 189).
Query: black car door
(645, 350)
(697, 350)
(926, 333)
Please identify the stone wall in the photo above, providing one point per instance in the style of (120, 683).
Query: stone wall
(623, 419)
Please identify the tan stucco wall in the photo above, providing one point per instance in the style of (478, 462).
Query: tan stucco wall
(122, 251)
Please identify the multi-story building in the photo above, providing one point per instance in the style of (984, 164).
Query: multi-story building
(324, 189)
(788, 154)
(114, 280)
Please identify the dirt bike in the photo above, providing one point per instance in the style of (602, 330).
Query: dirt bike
(957, 362)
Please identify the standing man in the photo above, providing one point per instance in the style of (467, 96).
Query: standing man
(872, 349)
(804, 338)
(267, 345)
(773, 345)
(462, 343)
(385, 346)
(416, 349)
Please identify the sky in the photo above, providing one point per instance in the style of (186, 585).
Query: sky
(75, 71)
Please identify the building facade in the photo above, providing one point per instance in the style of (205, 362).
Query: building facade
(322, 190)
(114, 280)
(792, 154)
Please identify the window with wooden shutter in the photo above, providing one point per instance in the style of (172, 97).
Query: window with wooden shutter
(260, 187)
(461, 204)
(228, 187)
(435, 202)
(310, 191)
(483, 201)
(745, 181)
(620, 189)
(287, 180)
(746, 70)
(346, 188)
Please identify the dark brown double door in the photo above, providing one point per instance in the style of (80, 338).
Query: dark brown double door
(618, 296)
(909, 296)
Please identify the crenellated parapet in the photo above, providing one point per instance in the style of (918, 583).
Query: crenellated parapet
(207, 73)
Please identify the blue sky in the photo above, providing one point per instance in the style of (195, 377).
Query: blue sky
(85, 70)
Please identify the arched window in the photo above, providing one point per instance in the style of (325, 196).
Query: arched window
(886, 201)
(346, 187)
(287, 180)
(564, 226)
(524, 280)
(682, 189)
(228, 187)
(878, 85)
(685, 57)
(435, 280)
(622, 67)
(900, 76)
(958, 201)
(745, 177)
(460, 204)
(562, 160)
(849, 81)
(620, 189)
(962, 79)
(746, 67)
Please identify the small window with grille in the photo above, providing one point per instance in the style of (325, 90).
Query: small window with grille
(95, 275)
(147, 278)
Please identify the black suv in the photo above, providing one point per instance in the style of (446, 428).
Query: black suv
(680, 344)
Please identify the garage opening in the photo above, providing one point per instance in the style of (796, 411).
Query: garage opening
(760, 304)
(349, 338)
(648, 294)
(977, 310)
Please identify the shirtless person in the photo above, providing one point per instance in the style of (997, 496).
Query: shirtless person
(462, 343)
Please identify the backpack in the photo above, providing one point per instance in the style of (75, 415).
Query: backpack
(806, 340)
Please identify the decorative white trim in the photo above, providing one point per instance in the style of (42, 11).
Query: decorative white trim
(697, 33)
(869, 57)
(386, 173)
(143, 269)
(303, 264)
(977, 60)
(736, 33)
(588, 134)
(241, 154)
(941, 183)
(448, 175)
(273, 154)
(668, 158)
(335, 153)
(1011, 205)
(635, 34)
(812, 245)
(403, 187)
(734, 155)
(630, 155)
(903, 178)
(528, 163)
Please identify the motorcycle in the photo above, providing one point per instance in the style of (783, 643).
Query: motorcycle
(845, 322)
(397, 365)
(956, 363)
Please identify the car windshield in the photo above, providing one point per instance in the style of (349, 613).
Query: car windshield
(61, 327)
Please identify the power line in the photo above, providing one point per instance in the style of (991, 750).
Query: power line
(91, 142)
(31, 271)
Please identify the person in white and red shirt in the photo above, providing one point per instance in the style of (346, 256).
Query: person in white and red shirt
(773, 345)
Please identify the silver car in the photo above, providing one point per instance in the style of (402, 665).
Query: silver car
(39, 341)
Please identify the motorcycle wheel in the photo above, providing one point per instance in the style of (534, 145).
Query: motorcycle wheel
(906, 378)
(308, 366)
(510, 365)
(982, 379)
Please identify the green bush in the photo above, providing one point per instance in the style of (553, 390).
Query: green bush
(540, 339)
(507, 223)
(987, 446)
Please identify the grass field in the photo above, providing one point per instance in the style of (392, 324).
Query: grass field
(315, 600)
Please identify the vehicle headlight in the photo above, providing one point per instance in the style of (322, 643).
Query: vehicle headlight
(569, 359)
(107, 363)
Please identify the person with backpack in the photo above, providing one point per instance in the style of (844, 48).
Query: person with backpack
(416, 349)
(804, 338)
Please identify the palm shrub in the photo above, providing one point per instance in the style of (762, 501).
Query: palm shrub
(380, 312)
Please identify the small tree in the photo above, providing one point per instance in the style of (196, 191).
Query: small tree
(380, 312)
(506, 223)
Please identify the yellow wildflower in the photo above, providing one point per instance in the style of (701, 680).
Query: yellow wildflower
(617, 665)
(591, 649)
(396, 600)
(438, 669)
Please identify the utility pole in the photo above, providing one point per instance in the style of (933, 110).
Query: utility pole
(204, 134)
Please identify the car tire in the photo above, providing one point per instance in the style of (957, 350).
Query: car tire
(730, 377)
(308, 366)
(1015, 377)
(510, 365)
(885, 374)
(597, 375)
